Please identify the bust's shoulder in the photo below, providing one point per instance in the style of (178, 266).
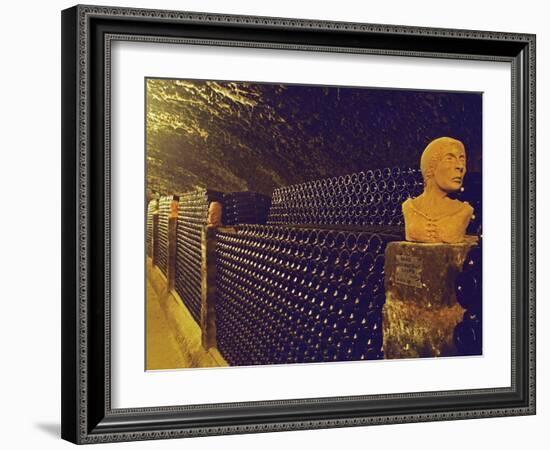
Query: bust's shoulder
(407, 205)
(464, 207)
(458, 207)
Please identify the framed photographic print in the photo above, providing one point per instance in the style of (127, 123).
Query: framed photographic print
(276, 224)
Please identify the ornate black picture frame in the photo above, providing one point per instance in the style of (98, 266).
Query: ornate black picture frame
(87, 34)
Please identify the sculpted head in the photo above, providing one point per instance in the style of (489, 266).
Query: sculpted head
(214, 215)
(174, 208)
(443, 164)
(432, 216)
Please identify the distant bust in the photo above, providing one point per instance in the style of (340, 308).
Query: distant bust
(433, 216)
(214, 215)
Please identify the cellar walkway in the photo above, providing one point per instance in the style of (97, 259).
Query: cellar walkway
(173, 337)
(163, 350)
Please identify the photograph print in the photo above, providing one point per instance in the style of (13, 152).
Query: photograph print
(292, 223)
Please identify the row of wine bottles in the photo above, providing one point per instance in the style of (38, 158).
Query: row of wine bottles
(192, 216)
(468, 288)
(287, 295)
(164, 205)
(152, 208)
(362, 198)
(245, 207)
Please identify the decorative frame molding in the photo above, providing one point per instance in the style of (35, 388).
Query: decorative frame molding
(87, 34)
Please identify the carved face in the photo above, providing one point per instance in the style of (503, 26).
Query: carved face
(214, 214)
(451, 168)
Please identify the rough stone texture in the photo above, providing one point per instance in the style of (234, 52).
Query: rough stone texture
(238, 136)
(421, 310)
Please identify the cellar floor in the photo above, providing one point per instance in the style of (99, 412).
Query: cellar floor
(163, 351)
(173, 337)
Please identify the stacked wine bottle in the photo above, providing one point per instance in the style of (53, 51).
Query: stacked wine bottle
(468, 288)
(245, 207)
(192, 216)
(291, 295)
(151, 210)
(372, 197)
(468, 285)
(164, 212)
(472, 193)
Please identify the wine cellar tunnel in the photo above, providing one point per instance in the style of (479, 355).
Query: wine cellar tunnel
(311, 180)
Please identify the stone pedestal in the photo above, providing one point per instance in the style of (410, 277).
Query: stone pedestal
(421, 310)
(208, 285)
(172, 246)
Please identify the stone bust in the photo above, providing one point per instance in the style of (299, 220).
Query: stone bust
(433, 216)
(214, 218)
